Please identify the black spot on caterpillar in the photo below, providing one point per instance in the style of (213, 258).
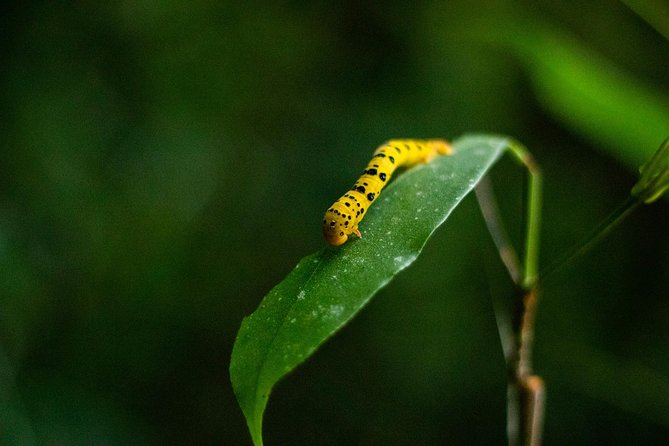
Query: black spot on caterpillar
(337, 225)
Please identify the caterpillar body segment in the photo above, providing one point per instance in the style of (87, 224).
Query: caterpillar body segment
(344, 216)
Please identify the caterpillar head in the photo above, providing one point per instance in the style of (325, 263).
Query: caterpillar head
(334, 234)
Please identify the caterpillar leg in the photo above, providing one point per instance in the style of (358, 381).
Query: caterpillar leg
(356, 231)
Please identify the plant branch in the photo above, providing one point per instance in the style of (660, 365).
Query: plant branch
(491, 215)
(525, 391)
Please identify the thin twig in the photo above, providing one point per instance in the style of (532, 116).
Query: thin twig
(491, 215)
(601, 231)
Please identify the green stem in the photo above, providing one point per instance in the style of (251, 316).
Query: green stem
(532, 216)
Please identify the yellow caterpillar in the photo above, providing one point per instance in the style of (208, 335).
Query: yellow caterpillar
(344, 216)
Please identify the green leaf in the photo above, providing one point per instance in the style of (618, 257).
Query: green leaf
(328, 288)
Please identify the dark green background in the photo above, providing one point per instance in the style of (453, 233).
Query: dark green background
(164, 164)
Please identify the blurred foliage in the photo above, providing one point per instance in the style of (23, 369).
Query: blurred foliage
(588, 93)
(165, 164)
